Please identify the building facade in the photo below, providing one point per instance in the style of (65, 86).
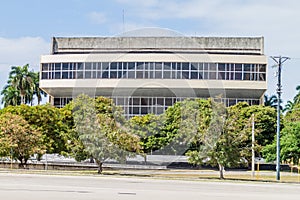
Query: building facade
(148, 74)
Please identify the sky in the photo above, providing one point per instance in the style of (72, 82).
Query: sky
(26, 27)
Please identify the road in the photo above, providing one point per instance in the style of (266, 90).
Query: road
(54, 187)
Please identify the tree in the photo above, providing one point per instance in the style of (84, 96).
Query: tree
(289, 142)
(148, 129)
(272, 101)
(99, 125)
(19, 138)
(218, 140)
(23, 80)
(37, 90)
(48, 120)
(11, 96)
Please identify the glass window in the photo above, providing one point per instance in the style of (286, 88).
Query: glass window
(185, 75)
(140, 66)
(186, 66)
(57, 66)
(105, 66)
(221, 76)
(88, 66)
(247, 67)
(158, 66)
(238, 67)
(212, 66)
(139, 74)
(238, 76)
(113, 65)
(65, 66)
(45, 67)
(167, 66)
(194, 75)
(247, 76)
(44, 75)
(79, 74)
(212, 75)
(79, 66)
(262, 68)
(88, 74)
(194, 66)
(221, 67)
(57, 75)
(131, 65)
(64, 75)
(167, 74)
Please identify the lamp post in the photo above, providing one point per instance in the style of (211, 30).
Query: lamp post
(279, 60)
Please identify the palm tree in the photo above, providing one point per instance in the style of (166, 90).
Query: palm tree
(297, 97)
(23, 80)
(272, 101)
(11, 96)
(37, 90)
(289, 106)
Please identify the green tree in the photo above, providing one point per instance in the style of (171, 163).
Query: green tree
(100, 127)
(48, 120)
(272, 101)
(23, 80)
(289, 145)
(19, 138)
(11, 96)
(148, 129)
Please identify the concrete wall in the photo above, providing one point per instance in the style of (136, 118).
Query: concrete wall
(244, 45)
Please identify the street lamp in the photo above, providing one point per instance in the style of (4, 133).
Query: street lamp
(279, 60)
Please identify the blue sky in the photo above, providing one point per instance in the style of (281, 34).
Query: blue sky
(26, 27)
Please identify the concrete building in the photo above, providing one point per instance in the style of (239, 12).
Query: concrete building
(148, 74)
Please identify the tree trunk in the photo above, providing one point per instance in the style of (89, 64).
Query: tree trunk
(221, 170)
(145, 159)
(22, 99)
(100, 168)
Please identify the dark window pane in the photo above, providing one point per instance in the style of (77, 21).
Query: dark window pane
(57, 66)
(262, 68)
(56, 101)
(167, 74)
(178, 66)
(238, 67)
(221, 67)
(88, 74)
(194, 75)
(119, 74)
(247, 76)
(205, 66)
(105, 74)
(139, 74)
(45, 67)
(113, 65)
(185, 74)
(158, 74)
(131, 74)
(194, 66)
(158, 66)
(79, 66)
(173, 66)
(212, 66)
(167, 66)
(131, 65)
(120, 65)
(65, 66)
(44, 75)
(212, 75)
(238, 76)
(64, 75)
(221, 76)
(113, 74)
(200, 66)
(185, 66)
(105, 66)
(140, 66)
(79, 74)
(88, 66)
(247, 67)
(262, 76)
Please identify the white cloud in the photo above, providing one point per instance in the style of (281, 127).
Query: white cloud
(20, 51)
(97, 17)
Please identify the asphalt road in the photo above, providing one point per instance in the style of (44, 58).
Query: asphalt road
(52, 187)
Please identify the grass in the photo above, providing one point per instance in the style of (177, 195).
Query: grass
(262, 176)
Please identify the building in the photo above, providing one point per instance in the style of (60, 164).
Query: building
(148, 74)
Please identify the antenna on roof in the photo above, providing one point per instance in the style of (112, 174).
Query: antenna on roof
(123, 18)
